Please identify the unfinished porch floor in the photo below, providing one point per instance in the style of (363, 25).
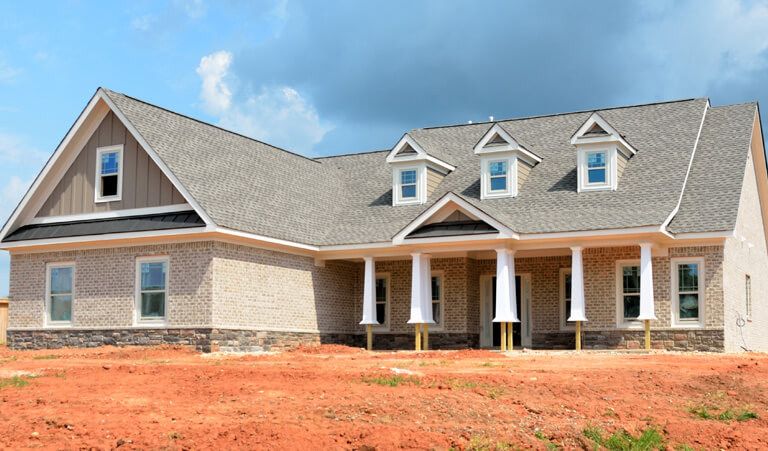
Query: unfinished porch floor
(334, 397)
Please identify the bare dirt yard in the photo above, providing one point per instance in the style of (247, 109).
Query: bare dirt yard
(333, 397)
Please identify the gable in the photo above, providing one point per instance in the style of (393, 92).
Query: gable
(143, 183)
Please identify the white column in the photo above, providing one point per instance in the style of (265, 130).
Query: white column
(577, 286)
(369, 292)
(417, 290)
(426, 300)
(646, 283)
(503, 314)
(513, 313)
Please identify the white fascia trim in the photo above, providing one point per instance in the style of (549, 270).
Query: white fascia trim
(591, 233)
(156, 158)
(106, 237)
(705, 235)
(421, 154)
(512, 145)
(614, 135)
(50, 164)
(112, 214)
(688, 171)
(353, 247)
(457, 239)
(504, 231)
(266, 239)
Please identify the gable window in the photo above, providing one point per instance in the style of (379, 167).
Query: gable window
(565, 299)
(687, 291)
(151, 289)
(437, 300)
(408, 184)
(382, 301)
(59, 293)
(596, 167)
(498, 175)
(628, 293)
(109, 173)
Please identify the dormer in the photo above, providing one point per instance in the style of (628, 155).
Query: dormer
(415, 174)
(504, 163)
(602, 154)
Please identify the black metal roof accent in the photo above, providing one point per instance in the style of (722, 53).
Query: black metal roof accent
(453, 228)
(144, 223)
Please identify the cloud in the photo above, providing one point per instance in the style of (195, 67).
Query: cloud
(8, 73)
(278, 115)
(143, 23)
(195, 9)
(14, 149)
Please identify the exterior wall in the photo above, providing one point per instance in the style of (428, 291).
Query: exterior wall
(144, 185)
(258, 289)
(747, 256)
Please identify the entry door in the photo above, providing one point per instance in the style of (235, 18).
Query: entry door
(490, 332)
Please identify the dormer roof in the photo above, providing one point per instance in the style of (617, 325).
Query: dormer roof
(596, 130)
(408, 150)
(496, 139)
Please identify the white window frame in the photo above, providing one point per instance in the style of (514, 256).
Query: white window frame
(98, 198)
(387, 302)
(421, 185)
(564, 326)
(485, 176)
(439, 326)
(701, 321)
(620, 321)
(610, 168)
(138, 320)
(47, 313)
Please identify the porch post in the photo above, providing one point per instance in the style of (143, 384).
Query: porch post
(418, 293)
(577, 292)
(426, 306)
(503, 312)
(513, 318)
(369, 299)
(646, 291)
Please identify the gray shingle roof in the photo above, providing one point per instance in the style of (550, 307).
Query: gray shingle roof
(250, 186)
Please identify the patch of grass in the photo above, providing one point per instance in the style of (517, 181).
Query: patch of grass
(701, 412)
(684, 447)
(494, 391)
(490, 364)
(483, 443)
(45, 357)
(392, 381)
(726, 415)
(15, 381)
(622, 440)
(745, 415)
(458, 383)
(551, 446)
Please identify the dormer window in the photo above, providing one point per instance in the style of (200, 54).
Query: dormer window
(109, 173)
(504, 163)
(415, 174)
(408, 184)
(602, 154)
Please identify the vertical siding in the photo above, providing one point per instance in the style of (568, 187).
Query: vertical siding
(433, 179)
(522, 173)
(144, 185)
(621, 163)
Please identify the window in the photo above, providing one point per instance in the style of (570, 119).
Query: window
(498, 175)
(151, 289)
(382, 301)
(437, 300)
(628, 292)
(596, 168)
(688, 293)
(109, 173)
(408, 184)
(748, 295)
(565, 298)
(59, 293)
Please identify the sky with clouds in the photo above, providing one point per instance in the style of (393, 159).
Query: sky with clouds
(322, 78)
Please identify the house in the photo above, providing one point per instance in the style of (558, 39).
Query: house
(586, 229)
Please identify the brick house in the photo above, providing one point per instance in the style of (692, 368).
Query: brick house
(579, 229)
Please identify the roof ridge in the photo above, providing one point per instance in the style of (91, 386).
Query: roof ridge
(352, 154)
(209, 125)
(563, 114)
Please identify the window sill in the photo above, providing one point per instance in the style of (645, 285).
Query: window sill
(147, 323)
(688, 325)
(497, 195)
(586, 189)
(62, 325)
(101, 200)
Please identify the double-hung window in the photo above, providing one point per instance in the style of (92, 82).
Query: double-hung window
(628, 292)
(109, 173)
(437, 300)
(596, 168)
(408, 184)
(151, 289)
(497, 171)
(59, 293)
(382, 301)
(687, 282)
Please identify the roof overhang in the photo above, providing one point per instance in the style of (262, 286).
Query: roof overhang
(419, 155)
(512, 145)
(613, 135)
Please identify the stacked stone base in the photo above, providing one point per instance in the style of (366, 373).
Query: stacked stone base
(437, 340)
(670, 340)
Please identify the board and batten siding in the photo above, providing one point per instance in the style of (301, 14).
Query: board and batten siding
(144, 185)
(433, 179)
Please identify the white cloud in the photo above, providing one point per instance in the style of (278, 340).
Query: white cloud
(14, 149)
(195, 9)
(143, 23)
(8, 73)
(278, 115)
(215, 93)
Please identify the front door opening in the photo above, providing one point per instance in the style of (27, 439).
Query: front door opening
(497, 326)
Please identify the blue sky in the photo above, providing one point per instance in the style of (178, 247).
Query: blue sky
(323, 78)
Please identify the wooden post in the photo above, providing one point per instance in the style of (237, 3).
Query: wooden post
(578, 335)
(510, 337)
(370, 336)
(425, 341)
(418, 337)
(503, 336)
(648, 335)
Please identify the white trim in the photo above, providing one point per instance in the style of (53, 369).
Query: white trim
(137, 318)
(438, 327)
(613, 135)
(385, 326)
(591, 233)
(511, 176)
(112, 214)
(421, 154)
(564, 327)
(622, 323)
(421, 185)
(504, 231)
(688, 171)
(105, 237)
(705, 235)
(47, 311)
(512, 145)
(97, 195)
(611, 171)
(675, 322)
(263, 238)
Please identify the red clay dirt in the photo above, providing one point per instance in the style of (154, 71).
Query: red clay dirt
(329, 397)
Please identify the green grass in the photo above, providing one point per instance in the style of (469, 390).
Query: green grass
(45, 357)
(391, 381)
(622, 440)
(15, 381)
(726, 415)
(458, 383)
(483, 443)
(547, 442)
(745, 415)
